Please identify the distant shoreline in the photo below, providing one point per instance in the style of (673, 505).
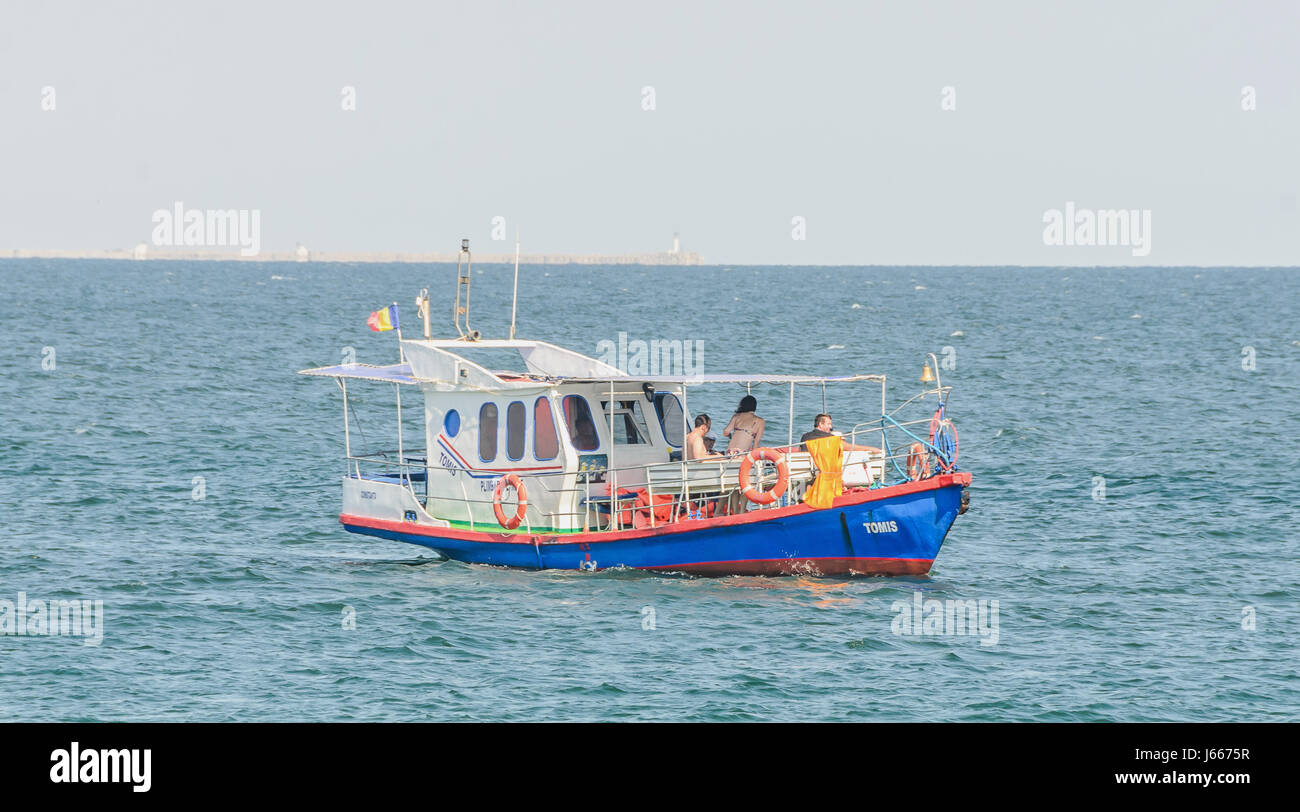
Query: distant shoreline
(660, 259)
(145, 253)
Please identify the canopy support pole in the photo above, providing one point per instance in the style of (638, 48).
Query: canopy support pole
(790, 441)
(401, 458)
(686, 421)
(617, 523)
(347, 434)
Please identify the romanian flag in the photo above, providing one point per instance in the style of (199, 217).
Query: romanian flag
(383, 319)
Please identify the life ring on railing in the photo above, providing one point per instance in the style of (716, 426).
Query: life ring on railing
(918, 462)
(518, 484)
(782, 476)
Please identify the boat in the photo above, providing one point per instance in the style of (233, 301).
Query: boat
(564, 461)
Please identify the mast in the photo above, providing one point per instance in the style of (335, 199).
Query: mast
(514, 301)
(463, 277)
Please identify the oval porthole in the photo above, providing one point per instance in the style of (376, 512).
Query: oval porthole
(451, 423)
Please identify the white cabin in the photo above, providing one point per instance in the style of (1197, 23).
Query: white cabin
(571, 427)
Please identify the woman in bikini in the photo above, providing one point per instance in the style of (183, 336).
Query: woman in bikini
(745, 428)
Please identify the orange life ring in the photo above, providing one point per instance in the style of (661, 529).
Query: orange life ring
(782, 476)
(918, 462)
(518, 484)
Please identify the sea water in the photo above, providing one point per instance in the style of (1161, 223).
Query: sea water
(1132, 537)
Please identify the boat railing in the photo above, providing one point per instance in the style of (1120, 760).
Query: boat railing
(710, 479)
(898, 440)
(705, 476)
(650, 494)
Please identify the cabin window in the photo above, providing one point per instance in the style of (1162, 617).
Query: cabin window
(487, 432)
(516, 428)
(546, 446)
(451, 423)
(671, 419)
(582, 429)
(629, 424)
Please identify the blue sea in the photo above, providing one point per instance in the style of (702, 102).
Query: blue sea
(1132, 434)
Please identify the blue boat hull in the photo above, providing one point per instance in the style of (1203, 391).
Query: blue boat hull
(887, 531)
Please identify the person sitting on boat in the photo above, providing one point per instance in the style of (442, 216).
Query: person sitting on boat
(709, 442)
(745, 428)
(822, 425)
(695, 447)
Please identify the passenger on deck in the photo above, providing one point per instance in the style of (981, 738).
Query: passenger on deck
(709, 442)
(826, 448)
(822, 425)
(745, 428)
(695, 447)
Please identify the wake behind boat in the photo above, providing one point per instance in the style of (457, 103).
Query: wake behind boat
(567, 462)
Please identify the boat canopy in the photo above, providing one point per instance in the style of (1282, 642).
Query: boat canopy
(401, 373)
(697, 379)
(442, 362)
(393, 373)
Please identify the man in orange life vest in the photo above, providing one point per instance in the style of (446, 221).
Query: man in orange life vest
(827, 451)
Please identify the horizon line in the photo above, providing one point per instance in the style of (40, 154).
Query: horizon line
(652, 259)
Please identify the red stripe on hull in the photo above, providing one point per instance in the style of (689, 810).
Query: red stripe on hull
(805, 566)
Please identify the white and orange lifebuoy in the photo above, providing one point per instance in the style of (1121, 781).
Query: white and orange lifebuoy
(918, 462)
(782, 476)
(514, 481)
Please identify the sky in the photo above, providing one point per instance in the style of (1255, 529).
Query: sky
(756, 114)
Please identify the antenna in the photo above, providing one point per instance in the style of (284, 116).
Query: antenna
(514, 302)
(463, 277)
(401, 356)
